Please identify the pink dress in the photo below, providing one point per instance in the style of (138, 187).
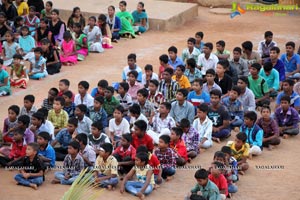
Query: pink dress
(68, 48)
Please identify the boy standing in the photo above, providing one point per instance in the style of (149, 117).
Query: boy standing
(134, 86)
(291, 60)
(287, 118)
(207, 60)
(190, 138)
(181, 79)
(110, 102)
(223, 79)
(32, 174)
(210, 82)
(221, 53)
(28, 108)
(197, 96)
(246, 97)
(131, 61)
(218, 114)
(86, 151)
(84, 123)
(191, 71)
(140, 137)
(167, 86)
(57, 115)
(239, 63)
(265, 46)
(174, 60)
(83, 97)
(191, 51)
(97, 112)
(147, 108)
(259, 86)
(181, 108)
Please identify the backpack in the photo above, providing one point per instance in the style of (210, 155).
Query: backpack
(261, 86)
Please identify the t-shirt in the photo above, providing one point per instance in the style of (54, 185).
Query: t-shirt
(257, 87)
(49, 153)
(34, 166)
(120, 129)
(241, 153)
(146, 140)
(290, 65)
(225, 83)
(127, 69)
(141, 174)
(220, 182)
(217, 116)
(154, 163)
(10, 50)
(108, 167)
(196, 100)
(97, 142)
(295, 99)
(129, 152)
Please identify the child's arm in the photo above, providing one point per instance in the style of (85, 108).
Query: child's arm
(54, 142)
(112, 138)
(3, 53)
(44, 159)
(131, 162)
(49, 36)
(40, 173)
(147, 182)
(128, 176)
(243, 160)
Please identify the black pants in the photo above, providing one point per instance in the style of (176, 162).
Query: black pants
(5, 160)
(60, 153)
(124, 169)
(54, 68)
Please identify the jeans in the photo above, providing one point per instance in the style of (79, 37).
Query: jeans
(232, 188)
(61, 176)
(134, 187)
(237, 123)
(168, 171)
(221, 134)
(107, 182)
(31, 180)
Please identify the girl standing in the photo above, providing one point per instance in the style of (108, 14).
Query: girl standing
(37, 65)
(46, 13)
(114, 23)
(81, 42)
(140, 19)
(126, 20)
(93, 33)
(76, 17)
(57, 28)
(68, 54)
(18, 76)
(106, 34)
(10, 48)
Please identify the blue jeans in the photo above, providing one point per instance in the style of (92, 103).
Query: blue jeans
(61, 176)
(221, 134)
(107, 182)
(134, 187)
(168, 171)
(237, 123)
(31, 180)
(232, 188)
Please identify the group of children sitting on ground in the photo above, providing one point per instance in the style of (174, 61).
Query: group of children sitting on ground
(40, 37)
(157, 122)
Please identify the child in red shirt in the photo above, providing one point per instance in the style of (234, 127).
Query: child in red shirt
(140, 137)
(125, 154)
(177, 144)
(219, 179)
(17, 152)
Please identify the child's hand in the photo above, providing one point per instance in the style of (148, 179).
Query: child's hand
(199, 193)
(67, 176)
(26, 175)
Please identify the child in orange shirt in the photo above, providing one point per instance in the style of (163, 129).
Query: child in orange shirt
(182, 80)
(177, 144)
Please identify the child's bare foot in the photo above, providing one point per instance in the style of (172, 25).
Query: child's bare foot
(55, 181)
(271, 147)
(217, 140)
(169, 178)
(140, 196)
(250, 156)
(110, 188)
(285, 136)
(34, 186)
(156, 186)
(241, 172)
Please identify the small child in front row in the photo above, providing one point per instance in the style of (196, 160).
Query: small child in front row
(190, 137)
(145, 178)
(106, 168)
(270, 128)
(10, 123)
(32, 172)
(177, 144)
(219, 179)
(254, 133)
(166, 157)
(68, 54)
(231, 166)
(73, 165)
(240, 151)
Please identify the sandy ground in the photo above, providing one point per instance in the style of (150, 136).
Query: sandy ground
(256, 184)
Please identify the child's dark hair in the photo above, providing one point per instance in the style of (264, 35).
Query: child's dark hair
(185, 123)
(123, 3)
(55, 90)
(50, 3)
(289, 81)
(82, 137)
(45, 41)
(84, 84)
(141, 124)
(200, 34)
(276, 49)
(268, 66)
(124, 85)
(2, 14)
(168, 105)
(56, 11)
(236, 89)
(131, 56)
(224, 63)
(209, 45)
(34, 146)
(135, 109)
(25, 119)
(29, 98)
(38, 50)
(134, 73)
(238, 49)
(192, 40)
(82, 108)
(203, 107)
(32, 8)
(120, 109)
(45, 135)
(219, 165)
(268, 34)
(221, 43)
(75, 145)
(45, 20)
(211, 72)
(148, 67)
(77, 25)
(19, 131)
(181, 67)
(102, 83)
(108, 148)
(247, 45)
(68, 94)
(15, 109)
(226, 149)
(73, 121)
(65, 81)
(44, 111)
(191, 62)
(164, 58)
(100, 99)
(110, 89)
(169, 71)
(241, 136)
(251, 115)
(61, 100)
(183, 91)
(216, 92)
(127, 137)
(143, 157)
(178, 131)
(257, 66)
(18, 56)
(40, 116)
(98, 125)
(154, 82)
(285, 98)
(219, 154)
(165, 138)
(24, 28)
(67, 35)
(265, 107)
(198, 80)
(244, 79)
(173, 49)
(144, 92)
(142, 148)
(201, 174)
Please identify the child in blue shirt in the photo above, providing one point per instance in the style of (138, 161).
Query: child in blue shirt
(272, 78)
(46, 152)
(254, 133)
(37, 65)
(27, 43)
(197, 96)
(291, 60)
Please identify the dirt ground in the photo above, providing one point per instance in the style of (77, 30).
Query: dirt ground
(255, 184)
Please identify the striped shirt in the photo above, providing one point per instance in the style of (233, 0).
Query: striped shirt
(156, 99)
(125, 101)
(168, 90)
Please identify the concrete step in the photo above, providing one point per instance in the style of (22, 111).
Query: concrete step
(163, 15)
